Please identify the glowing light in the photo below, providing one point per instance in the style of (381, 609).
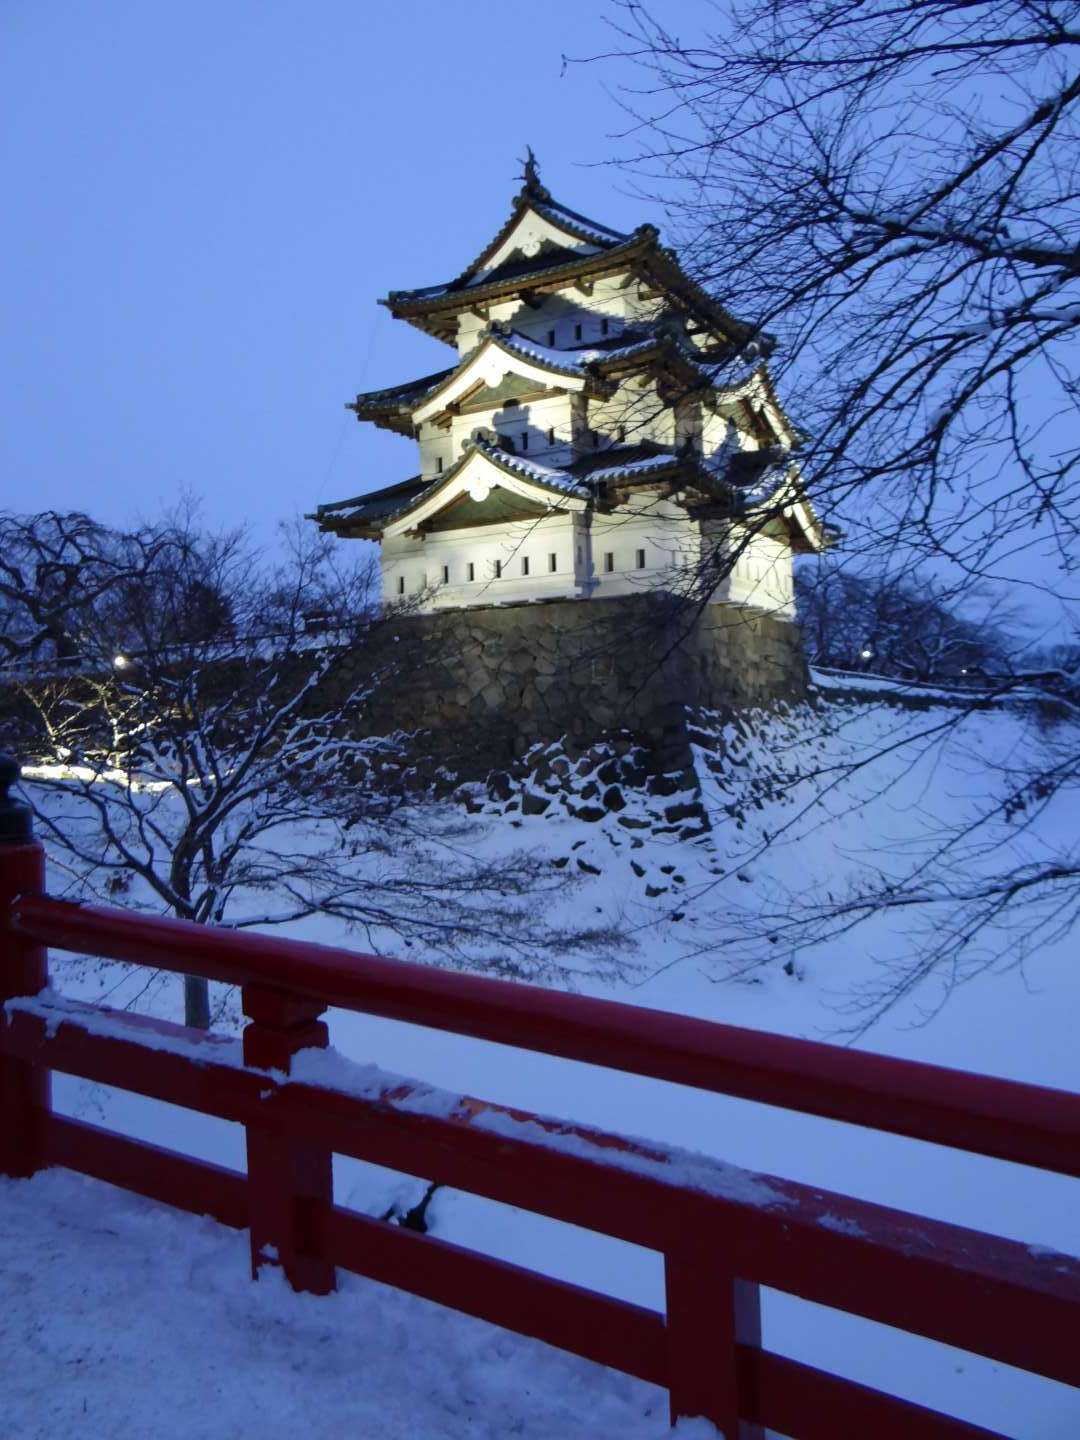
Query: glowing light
(867, 654)
(120, 662)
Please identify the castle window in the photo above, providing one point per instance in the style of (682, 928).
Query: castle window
(498, 569)
(551, 435)
(594, 438)
(577, 332)
(551, 338)
(622, 432)
(438, 465)
(553, 563)
(446, 574)
(609, 561)
(604, 326)
(639, 558)
(524, 565)
(524, 439)
(401, 584)
(471, 570)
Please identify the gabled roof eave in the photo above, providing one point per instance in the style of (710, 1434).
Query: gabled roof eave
(520, 478)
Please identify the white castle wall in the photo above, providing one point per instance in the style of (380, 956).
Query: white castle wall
(649, 545)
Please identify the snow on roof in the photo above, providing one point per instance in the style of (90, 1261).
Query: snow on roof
(589, 229)
(409, 390)
(548, 475)
(576, 360)
(383, 507)
(632, 468)
(386, 500)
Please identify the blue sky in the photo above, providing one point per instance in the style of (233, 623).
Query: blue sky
(203, 203)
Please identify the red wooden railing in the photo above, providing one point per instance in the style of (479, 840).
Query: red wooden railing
(723, 1232)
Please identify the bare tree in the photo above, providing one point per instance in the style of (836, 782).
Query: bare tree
(907, 627)
(213, 747)
(889, 196)
(56, 570)
(893, 192)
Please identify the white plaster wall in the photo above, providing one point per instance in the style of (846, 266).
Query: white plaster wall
(562, 312)
(634, 411)
(764, 577)
(435, 445)
(534, 417)
(763, 574)
(651, 542)
(715, 427)
(419, 563)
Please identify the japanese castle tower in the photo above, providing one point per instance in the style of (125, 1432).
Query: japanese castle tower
(605, 428)
(604, 446)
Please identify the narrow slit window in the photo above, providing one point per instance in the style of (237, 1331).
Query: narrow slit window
(622, 432)
(524, 565)
(498, 569)
(594, 438)
(553, 563)
(639, 557)
(551, 435)
(524, 439)
(438, 465)
(551, 338)
(401, 585)
(609, 561)
(604, 326)
(470, 570)
(577, 332)
(446, 574)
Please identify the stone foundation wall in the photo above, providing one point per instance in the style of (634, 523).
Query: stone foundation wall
(490, 682)
(486, 684)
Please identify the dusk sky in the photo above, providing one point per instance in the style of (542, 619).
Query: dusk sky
(204, 202)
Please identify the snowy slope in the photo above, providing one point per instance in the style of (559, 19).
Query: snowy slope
(793, 809)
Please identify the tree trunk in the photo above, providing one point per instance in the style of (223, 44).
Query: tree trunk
(196, 1002)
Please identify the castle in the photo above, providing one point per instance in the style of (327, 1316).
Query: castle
(606, 433)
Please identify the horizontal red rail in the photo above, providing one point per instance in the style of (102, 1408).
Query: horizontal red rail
(150, 1170)
(1028, 1124)
(722, 1233)
(942, 1281)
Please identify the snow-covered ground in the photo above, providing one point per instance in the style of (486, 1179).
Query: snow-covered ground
(123, 1320)
(686, 950)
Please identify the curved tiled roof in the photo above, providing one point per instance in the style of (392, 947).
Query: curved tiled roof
(547, 268)
(538, 198)
(398, 397)
(380, 508)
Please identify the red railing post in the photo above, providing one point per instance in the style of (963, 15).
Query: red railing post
(710, 1313)
(24, 1088)
(288, 1180)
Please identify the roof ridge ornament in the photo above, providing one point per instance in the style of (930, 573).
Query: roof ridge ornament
(532, 189)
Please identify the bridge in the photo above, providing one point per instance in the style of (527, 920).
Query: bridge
(723, 1232)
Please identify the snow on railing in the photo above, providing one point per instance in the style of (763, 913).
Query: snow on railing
(723, 1232)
